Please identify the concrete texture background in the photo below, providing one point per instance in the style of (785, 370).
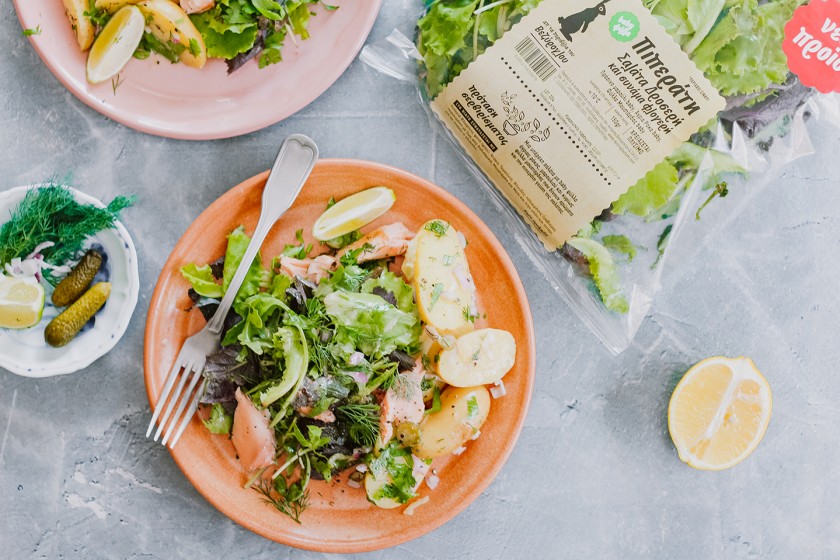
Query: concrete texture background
(594, 474)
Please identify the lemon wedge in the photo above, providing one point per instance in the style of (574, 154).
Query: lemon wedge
(21, 302)
(115, 44)
(353, 212)
(719, 412)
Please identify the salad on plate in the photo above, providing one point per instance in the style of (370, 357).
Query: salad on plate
(367, 357)
(189, 31)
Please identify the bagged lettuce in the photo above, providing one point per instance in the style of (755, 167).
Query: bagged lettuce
(610, 271)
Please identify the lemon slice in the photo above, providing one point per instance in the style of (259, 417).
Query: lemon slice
(21, 302)
(353, 212)
(719, 412)
(115, 45)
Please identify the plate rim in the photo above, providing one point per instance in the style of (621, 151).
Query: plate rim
(139, 124)
(489, 475)
(133, 294)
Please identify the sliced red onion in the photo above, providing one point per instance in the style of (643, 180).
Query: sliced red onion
(356, 358)
(432, 481)
(38, 248)
(459, 450)
(362, 467)
(359, 377)
(498, 391)
(462, 240)
(475, 435)
(353, 484)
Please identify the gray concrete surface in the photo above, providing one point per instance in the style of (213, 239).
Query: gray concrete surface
(594, 474)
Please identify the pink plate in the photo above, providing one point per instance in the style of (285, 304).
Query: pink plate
(174, 100)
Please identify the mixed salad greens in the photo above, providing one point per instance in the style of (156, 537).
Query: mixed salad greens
(736, 43)
(343, 359)
(189, 31)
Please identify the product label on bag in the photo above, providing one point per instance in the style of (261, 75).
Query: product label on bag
(812, 45)
(573, 106)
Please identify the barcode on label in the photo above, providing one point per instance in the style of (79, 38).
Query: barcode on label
(535, 58)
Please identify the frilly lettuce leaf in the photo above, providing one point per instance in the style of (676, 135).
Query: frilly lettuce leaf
(237, 244)
(202, 281)
(743, 52)
(223, 40)
(604, 274)
(375, 326)
(651, 192)
(388, 281)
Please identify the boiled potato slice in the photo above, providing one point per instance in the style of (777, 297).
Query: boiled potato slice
(82, 27)
(112, 6)
(378, 477)
(478, 358)
(463, 411)
(168, 22)
(443, 285)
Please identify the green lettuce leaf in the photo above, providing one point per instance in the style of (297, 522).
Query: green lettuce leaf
(743, 52)
(202, 281)
(651, 192)
(445, 26)
(237, 244)
(620, 244)
(376, 327)
(390, 282)
(604, 274)
(220, 422)
(224, 40)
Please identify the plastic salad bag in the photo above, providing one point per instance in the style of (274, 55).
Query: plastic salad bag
(610, 271)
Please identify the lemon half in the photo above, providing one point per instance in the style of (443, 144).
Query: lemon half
(353, 212)
(115, 44)
(719, 412)
(21, 302)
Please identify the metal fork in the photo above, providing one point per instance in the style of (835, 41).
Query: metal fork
(292, 167)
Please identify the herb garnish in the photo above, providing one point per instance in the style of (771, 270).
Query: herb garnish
(437, 227)
(437, 289)
(30, 32)
(50, 213)
(472, 407)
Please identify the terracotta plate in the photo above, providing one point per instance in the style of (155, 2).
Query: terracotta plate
(339, 518)
(174, 100)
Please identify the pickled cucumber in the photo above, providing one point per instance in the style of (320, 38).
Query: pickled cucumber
(67, 325)
(75, 283)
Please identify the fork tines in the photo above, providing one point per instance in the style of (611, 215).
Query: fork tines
(185, 397)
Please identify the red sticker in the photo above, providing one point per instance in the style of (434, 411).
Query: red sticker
(812, 44)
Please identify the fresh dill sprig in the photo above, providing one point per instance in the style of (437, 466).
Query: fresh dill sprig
(364, 422)
(51, 213)
(286, 498)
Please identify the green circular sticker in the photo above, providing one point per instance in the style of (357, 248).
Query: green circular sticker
(624, 26)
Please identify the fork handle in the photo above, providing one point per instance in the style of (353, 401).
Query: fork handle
(292, 167)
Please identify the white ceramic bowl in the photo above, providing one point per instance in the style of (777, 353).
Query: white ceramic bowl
(25, 352)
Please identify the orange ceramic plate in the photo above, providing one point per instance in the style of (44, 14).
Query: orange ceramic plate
(339, 518)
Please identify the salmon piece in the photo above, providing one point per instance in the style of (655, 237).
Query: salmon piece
(388, 241)
(252, 438)
(197, 6)
(321, 267)
(403, 405)
(312, 270)
(292, 267)
(327, 417)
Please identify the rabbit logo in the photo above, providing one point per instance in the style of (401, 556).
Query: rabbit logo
(579, 22)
